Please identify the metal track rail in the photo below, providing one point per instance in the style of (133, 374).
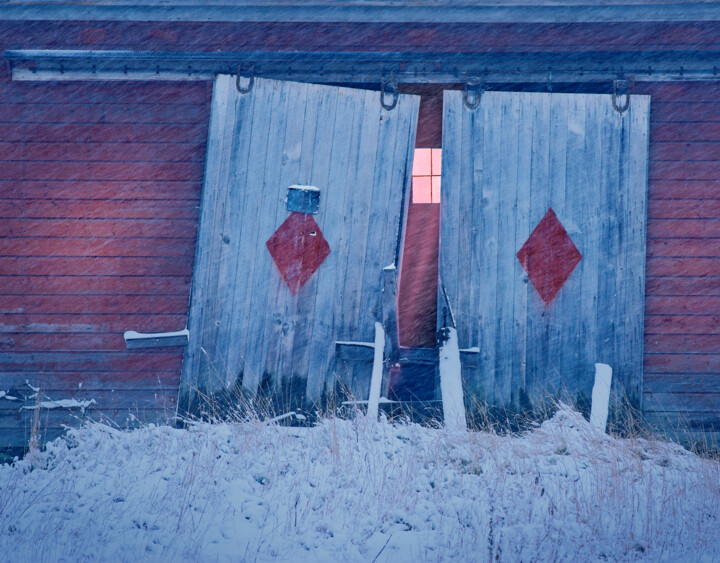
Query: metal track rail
(367, 67)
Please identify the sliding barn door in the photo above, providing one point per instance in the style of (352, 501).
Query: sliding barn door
(542, 250)
(282, 274)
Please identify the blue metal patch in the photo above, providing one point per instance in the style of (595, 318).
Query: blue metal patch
(303, 199)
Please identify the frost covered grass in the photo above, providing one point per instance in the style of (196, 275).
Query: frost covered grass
(356, 490)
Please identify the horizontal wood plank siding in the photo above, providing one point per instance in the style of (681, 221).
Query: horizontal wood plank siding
(102, 167)
(373, 36)
(99, 200)
(682, 306)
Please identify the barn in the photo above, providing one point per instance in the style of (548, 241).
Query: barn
(206, 201)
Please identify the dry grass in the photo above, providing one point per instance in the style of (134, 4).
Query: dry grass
(357, 489)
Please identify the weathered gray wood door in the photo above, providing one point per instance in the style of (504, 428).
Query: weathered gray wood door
(542, 250)
(268, 303)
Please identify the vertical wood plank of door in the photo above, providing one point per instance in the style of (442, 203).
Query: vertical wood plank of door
(573, 154)
(222, 120)
(247, 327)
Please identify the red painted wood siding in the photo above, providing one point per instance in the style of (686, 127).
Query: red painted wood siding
(682, 309)
(100, 184)
(99, 193)
(375, 36)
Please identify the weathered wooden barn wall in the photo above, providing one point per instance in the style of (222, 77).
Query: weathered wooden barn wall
(77, 160)
(682, 290)
(100, 186)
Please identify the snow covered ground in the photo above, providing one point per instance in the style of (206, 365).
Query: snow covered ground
(359, 491)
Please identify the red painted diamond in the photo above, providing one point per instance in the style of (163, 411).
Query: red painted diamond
(298, 248)
(549, 256)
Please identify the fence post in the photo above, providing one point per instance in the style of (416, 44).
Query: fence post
(601, 396)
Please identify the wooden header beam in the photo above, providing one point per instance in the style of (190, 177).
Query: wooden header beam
(367, 67)
(401, 11)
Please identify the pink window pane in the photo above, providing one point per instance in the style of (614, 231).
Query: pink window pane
(422, 189)
(421, 162)
(436, 161)
(435, 189)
